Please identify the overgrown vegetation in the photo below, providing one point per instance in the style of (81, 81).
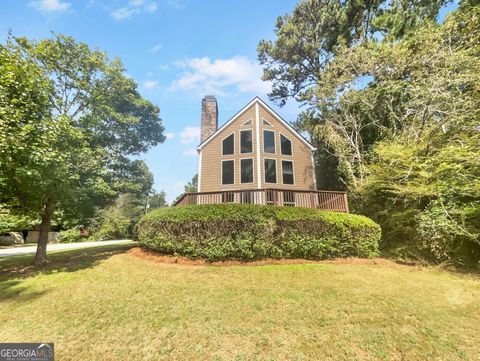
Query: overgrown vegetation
(247, 232)
(393, 105)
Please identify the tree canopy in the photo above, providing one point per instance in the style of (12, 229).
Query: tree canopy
(394, 113)
(70, 121)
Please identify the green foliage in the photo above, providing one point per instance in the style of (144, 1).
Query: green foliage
(395, 118)
(309, 39)
(117, 221)
(69, 120)
(157, 200)
(423, 186)
(190, 187)
(235, 231)
(72, 235)
(14, 222)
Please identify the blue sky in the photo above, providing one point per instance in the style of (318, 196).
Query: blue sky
(177, 51)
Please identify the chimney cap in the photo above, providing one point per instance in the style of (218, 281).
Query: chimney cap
(209, 98)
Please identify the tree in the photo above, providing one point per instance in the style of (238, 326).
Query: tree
(299, 62)
(190, 187)
(423, 177)
(157, 200)
(69, 119)
(396, 117)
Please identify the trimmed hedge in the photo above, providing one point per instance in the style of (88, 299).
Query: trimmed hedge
(236, 231)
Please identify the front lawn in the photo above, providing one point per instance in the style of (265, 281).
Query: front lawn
(108, 304)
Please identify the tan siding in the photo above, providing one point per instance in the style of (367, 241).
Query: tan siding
(212, 155)
(301, 157)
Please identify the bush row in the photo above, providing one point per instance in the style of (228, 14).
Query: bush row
(248, 232)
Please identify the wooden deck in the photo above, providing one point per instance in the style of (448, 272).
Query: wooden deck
(326, 200)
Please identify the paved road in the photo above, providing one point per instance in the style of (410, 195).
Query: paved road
(21, 251)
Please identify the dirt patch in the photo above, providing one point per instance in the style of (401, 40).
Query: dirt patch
(149, 255)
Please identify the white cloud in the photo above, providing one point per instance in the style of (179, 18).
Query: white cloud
(134, 7)
(190, 135)
(50, 6)
(150, 84)
(156, 48)
(176, 4)
(163, 66)
(169, 135)
(221, 76)
(190, 152)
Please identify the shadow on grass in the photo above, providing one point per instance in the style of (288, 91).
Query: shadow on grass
(65, 261)
(15, 289)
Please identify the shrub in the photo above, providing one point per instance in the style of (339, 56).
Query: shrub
(71, 235)
(236, 231)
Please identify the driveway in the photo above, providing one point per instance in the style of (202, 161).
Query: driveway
(52, 247)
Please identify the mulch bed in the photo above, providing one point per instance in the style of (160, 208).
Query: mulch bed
(153, 256)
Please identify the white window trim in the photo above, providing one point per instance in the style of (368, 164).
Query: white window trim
(256, 101)
(221, 173)
(274, 141)
(265, 171)
(245, 122)
(293, 170)
(200, 165)
(240, 141)
(280, 143)
(227, 155)
(269, 124)
(253, 171)
(258, 150)
(314, 173)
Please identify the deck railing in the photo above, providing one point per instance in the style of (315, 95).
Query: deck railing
(326, 200)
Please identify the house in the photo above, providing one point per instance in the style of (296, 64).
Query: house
(256, 157)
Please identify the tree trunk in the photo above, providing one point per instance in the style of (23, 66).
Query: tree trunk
(41, 255)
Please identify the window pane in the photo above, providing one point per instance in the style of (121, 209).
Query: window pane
(246, 174)
(270, 171)
(286, 145)
(227, 172)
(264, 122)
(228, 145)
(246, 141)
(248, 122)
(287, 172)
(268, 141)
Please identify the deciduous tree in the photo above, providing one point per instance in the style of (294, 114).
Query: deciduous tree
(69, 118)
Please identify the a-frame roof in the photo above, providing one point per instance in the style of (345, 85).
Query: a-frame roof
(270, 110)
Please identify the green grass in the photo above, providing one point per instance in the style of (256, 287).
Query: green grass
(105, 304)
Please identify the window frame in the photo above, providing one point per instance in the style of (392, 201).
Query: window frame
(274, 141)
(265, 171)
(293, 171)
(240, 142)
(291, 145)
(266, 123)
(221, 172)
(223, 139)
(253, 170)
(250, 121)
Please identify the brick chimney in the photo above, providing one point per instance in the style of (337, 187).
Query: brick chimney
(209, 117)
